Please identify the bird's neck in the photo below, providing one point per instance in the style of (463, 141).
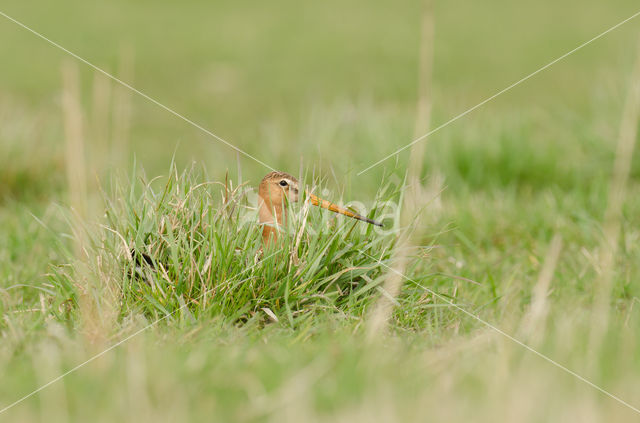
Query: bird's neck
(270, 224)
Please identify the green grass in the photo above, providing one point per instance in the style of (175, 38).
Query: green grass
(208, 259)
(327, 88)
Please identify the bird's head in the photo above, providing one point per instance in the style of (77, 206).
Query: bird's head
(276, 186)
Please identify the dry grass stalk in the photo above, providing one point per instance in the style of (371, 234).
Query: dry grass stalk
(415, 197)
(383, 307)
(425, 76)
(97, 295)
(100, 113)
(122, 107)
(74, 139)
(534, 322)
(613, 213)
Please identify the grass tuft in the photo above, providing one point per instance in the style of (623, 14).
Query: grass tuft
(183, 246)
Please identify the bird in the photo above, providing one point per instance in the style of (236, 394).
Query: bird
(277, 188)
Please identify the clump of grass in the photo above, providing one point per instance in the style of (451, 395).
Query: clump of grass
(185, 247)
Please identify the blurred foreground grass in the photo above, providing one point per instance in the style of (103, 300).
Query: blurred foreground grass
(333, 84)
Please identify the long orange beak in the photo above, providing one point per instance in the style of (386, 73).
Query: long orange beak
(317, 201)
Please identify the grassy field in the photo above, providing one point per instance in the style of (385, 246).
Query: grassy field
(516, 240)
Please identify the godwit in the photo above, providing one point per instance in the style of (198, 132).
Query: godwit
(278, 187)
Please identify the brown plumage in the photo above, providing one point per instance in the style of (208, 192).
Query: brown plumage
(278, 187)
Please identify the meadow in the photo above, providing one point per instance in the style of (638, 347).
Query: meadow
(504, 286)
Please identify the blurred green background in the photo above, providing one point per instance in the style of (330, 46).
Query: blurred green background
(332, 85)
(266, 76)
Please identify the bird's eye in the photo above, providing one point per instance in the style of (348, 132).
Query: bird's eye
(283, 183)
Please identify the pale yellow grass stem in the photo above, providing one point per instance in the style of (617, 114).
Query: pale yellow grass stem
(613, 215)
(74, 139)
(122, 108)
(100, 114)
(534, 322)
(96, 299)
(415, 197)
